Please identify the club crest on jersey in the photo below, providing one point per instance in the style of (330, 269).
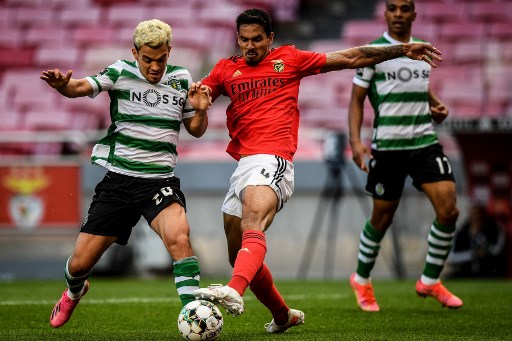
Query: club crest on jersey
(174, 83)
(278, 65)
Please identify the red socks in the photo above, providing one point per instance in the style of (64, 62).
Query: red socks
(249, 260)
(250, 269)
(266, 292)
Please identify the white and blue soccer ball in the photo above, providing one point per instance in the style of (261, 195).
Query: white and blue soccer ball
(200, 320)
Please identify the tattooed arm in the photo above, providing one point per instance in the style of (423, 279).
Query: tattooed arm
(362, 56)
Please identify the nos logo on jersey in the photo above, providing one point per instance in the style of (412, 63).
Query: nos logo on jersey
(174, 83)
(278, 65)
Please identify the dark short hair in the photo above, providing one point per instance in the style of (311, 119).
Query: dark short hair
(411, 3)
(255, 16)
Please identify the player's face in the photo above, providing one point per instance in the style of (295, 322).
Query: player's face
(152, 62)
(399, 16)
(254, 43)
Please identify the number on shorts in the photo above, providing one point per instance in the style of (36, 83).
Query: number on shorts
(441, 162)
(166, 191)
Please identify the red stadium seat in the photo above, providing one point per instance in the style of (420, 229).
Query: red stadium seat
(16, 57)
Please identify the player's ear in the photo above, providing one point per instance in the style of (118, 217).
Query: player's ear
(270, 38)
(135, 53)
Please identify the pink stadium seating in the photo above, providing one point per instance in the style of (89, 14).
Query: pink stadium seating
(16, 57)
(379, 9)
(178, 15)
(11, 37)
(204, 150)
(90, 36)
(499, 80)
(427, 31)
(47, 119)
(47, 36)
(64, 58)
(25, 3)
(442, 12)
(60, 4)
(469, 52)
(451, 31)
(361, 32)
(474, 35)
(219, 15)
(328, 45)
(98, 57)
(198, 37)
(489, 11)
(217, 115)
(34, 17)
(466, 100)
(125, 15)
(72, 17)
(286, 10)
(500, 30)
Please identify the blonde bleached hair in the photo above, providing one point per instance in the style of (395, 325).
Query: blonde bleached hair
(153, 33)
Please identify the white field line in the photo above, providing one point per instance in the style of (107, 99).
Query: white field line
(166, 300)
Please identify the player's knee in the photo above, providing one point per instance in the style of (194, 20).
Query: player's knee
(78, 267)
(179, 240)
(449, 216)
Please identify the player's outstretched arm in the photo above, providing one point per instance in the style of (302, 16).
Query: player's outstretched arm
(362, 56)
(66, 85)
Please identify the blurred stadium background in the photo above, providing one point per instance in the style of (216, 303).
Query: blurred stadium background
(46, 180)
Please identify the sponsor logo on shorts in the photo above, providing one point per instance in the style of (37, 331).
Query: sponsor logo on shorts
(379, 189)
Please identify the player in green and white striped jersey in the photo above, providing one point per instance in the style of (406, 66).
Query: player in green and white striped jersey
(150, 100)
(404, 143)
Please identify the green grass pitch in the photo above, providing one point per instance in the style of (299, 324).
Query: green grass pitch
(136, 309)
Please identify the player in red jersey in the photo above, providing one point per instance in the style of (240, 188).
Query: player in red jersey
(263, 121)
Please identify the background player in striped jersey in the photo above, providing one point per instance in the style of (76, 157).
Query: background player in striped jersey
(404, 144)
(263, 120)
(149, 101)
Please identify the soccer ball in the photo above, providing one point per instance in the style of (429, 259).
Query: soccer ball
(200, 320)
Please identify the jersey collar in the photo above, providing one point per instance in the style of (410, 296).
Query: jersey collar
(394, 41)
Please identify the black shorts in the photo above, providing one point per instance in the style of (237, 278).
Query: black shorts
(389, 169)
(120, 200)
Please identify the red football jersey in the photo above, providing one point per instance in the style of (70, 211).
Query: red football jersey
(263, 116)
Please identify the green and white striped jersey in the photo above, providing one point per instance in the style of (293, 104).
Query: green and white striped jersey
(146, 118)
(398, 93)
